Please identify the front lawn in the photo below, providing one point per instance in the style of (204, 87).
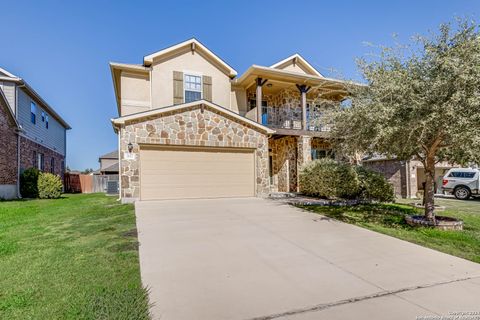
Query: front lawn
(389, 219)
(70, 258)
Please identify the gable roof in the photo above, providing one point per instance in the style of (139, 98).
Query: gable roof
(113, 168)
(25, 86)
(4, 103)
(194, 45)
(7, 74)
(297, 59)
(111, 155)
(205, 103)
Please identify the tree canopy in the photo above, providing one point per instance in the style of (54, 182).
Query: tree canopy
(421, 100)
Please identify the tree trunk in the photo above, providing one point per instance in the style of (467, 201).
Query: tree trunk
(429, 200)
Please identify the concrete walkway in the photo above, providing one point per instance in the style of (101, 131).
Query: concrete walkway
(258, 259)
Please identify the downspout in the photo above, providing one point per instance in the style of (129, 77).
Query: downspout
(119, 165)
(151, 89)
(19, 195)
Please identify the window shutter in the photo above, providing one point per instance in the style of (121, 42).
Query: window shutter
(177, 87)
(207, 88)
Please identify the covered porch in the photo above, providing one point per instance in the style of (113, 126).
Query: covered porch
(291, 101)
(288, 154)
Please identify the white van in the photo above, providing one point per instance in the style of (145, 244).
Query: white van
(463, 183)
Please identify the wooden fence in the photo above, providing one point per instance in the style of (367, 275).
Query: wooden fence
(85, 183)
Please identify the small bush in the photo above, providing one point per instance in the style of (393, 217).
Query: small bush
(28, 183)
(330, 179)
(374, 186)
(49, 186)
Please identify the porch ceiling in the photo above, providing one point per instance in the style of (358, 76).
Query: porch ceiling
(282, 79)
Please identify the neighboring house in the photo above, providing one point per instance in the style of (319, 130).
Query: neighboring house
(188, 127)
(35, 135)
(407, 177)
(109, 163)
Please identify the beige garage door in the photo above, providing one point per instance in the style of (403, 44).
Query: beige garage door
(189, 172)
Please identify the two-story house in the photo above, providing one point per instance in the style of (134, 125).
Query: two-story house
(32, 134)
(189, 127)
(109, 163)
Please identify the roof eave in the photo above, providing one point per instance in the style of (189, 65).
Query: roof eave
(254, 69)
(122, 120)
(148, 60)
(302, 60)
(45, 104)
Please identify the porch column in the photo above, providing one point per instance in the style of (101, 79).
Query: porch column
(260, 83)
(304, 154)
(303, 92)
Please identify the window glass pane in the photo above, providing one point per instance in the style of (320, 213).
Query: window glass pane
(192, 96)
(33, 112)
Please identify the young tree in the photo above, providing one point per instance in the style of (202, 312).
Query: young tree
(421, 101)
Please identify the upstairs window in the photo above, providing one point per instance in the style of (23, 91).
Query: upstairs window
(33, 112)
(193, 88)
(43, 116)
(46, 121)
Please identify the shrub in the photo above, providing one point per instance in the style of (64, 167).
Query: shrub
(374, 186)
(330, 179)
(28, 183)
(49, 186)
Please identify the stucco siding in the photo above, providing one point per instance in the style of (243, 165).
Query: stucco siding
(187, 62)
(53, 137)
(134, 92)
(294, 68)
(238, 101)
(8, 89)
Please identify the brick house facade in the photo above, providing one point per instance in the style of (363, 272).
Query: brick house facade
(8, 155)
(32, 134)
(53, 162)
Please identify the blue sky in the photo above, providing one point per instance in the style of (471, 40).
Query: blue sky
(62, 48)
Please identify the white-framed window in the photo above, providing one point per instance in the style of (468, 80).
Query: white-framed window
(46, 121)
(43, 116)
(193, 87)
(40, 161)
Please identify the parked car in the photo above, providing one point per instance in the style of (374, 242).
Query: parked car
(463, 183)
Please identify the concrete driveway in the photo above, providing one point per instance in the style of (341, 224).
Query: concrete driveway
(259, 259)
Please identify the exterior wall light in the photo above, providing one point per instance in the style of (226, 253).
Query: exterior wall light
(130, 147)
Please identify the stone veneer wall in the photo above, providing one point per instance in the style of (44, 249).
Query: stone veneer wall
(190, 127)
(284, 151)
(304, 145)
(283, 106)
(321, 144)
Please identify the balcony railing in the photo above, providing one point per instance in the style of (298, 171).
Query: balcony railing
(318, 119)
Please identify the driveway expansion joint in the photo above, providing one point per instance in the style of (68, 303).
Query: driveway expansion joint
(323, 306)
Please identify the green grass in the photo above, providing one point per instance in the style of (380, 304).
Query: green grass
(389, 219)
(70, 258)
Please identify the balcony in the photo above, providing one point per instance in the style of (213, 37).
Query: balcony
(285, 118)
